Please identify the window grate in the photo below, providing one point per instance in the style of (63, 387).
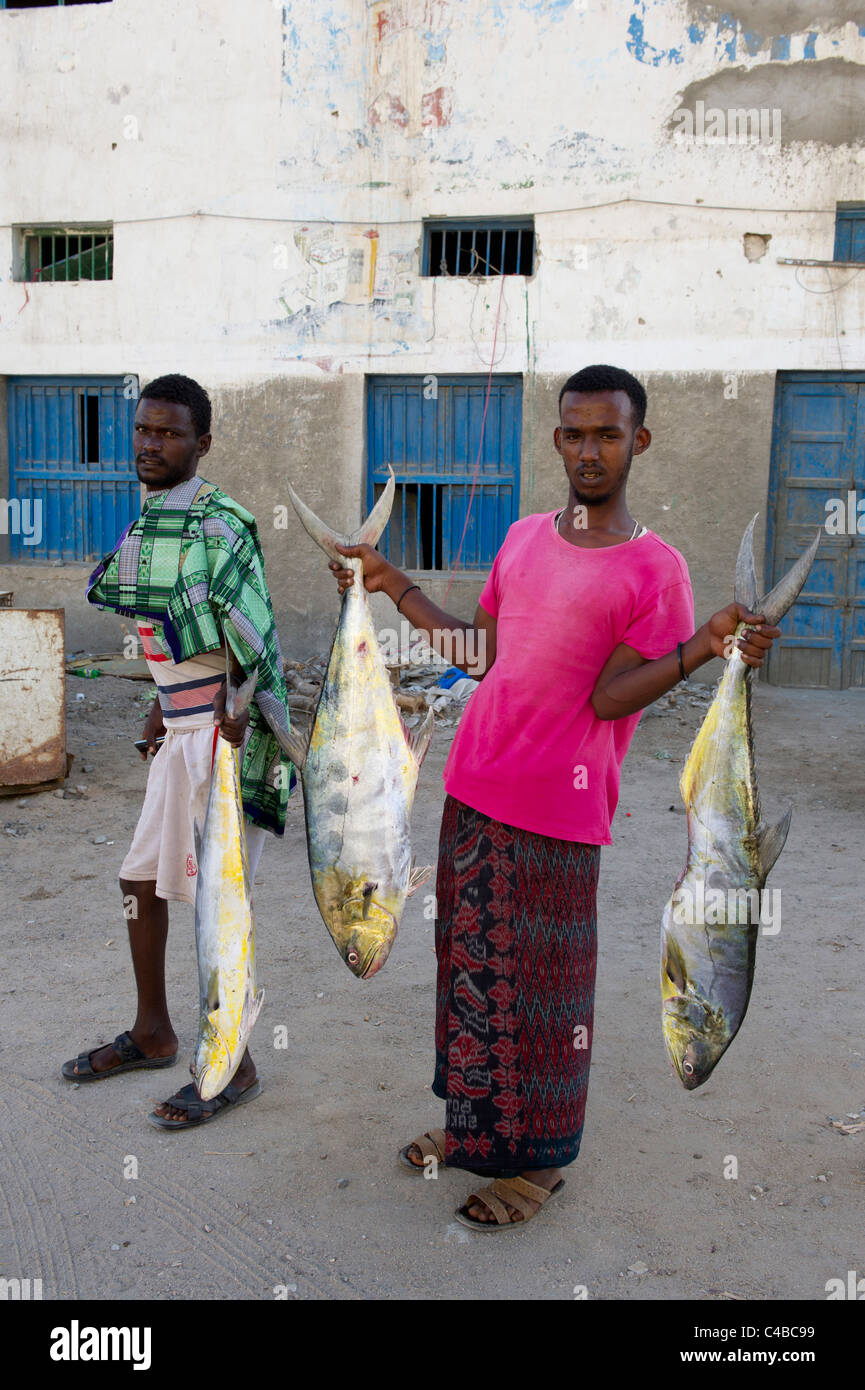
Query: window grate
(479, 248)
(45, 4)
(56, 254)
(434, 439)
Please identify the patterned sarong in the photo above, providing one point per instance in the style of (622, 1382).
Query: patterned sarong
(516, 945)
(192, 564)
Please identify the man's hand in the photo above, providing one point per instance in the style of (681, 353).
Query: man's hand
(376, 569)
(154, 728)
(753, 643)
(232, 730)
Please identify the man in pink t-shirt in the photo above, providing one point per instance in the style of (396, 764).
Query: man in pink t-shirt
(585, 619)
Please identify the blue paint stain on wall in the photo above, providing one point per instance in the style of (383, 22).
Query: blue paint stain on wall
(780, 50)
(753, 42)
(290, 46)
(727, 24)
(695, 33)
(554, 9)
(811, 46)
(646, 52)
(436, 45)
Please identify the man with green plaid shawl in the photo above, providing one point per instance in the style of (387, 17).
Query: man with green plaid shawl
(190, 571)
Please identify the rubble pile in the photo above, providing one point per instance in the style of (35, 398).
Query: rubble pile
(421, 679)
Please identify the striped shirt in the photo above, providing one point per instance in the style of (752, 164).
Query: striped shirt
(186, 689)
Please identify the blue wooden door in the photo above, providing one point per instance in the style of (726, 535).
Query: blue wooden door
(429, 430)
(70, 451)
(818, 454)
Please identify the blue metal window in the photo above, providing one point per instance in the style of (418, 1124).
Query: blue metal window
(489, 246)
(849, 232)
(429, 430)
(70, 452)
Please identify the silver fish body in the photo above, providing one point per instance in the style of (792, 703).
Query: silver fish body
(359, 770)
(711, 923)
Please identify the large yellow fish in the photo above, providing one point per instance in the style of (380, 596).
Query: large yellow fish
(359, 768)
(224, 927)
(711, 922)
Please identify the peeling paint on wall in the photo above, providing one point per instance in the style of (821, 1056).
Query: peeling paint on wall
(776, 17)
(837, 118)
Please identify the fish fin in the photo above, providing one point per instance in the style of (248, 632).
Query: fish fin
(323, 535)
(295, 742)
(417, 878)
(369, 532)
(745, 591)
(418, 739)
(775, 604)
(673, 965)
(770, 841)
(253, 1010)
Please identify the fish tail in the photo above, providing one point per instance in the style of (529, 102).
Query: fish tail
(786, 591)
(745, 591)
(366, 534)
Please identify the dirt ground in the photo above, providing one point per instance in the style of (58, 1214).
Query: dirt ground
(256, 1206)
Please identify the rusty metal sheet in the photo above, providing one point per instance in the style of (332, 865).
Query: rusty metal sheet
(32, 695)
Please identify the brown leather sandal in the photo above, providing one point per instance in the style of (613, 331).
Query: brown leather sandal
(431, 1145)
(514, 1191)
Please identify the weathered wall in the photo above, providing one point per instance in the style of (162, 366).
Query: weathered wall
(267, 169)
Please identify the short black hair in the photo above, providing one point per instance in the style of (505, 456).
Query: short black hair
(182, 390)
(604, 378)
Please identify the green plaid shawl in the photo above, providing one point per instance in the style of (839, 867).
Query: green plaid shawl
(192, 563)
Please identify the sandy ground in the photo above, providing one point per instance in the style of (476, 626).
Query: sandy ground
(253, 1203)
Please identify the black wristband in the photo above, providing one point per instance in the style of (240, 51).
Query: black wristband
(403, 594)
(681, 662)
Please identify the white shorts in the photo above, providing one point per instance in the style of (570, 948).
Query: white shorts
(178, 785)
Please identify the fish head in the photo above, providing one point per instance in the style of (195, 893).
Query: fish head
(212, 1063)
(696, 1036)
(363, 926)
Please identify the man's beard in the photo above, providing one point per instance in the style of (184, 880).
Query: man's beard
(592, 499)
(178, 476)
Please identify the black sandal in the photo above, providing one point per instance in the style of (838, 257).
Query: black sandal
(201, 1112)
(132, 1059)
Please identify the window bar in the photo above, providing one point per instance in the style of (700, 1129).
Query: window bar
(459, 251)
(474, 254)
(487, 270)
(519, 269)
(92, 258)
(402, 532)
(53, 258)
(434, 527)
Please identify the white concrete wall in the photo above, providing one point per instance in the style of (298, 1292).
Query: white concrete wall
(251, 157)
(211, 134)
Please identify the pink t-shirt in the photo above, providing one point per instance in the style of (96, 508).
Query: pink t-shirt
(530, 750)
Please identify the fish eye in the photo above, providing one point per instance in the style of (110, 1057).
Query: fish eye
(352, 957)
(688, 1068)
